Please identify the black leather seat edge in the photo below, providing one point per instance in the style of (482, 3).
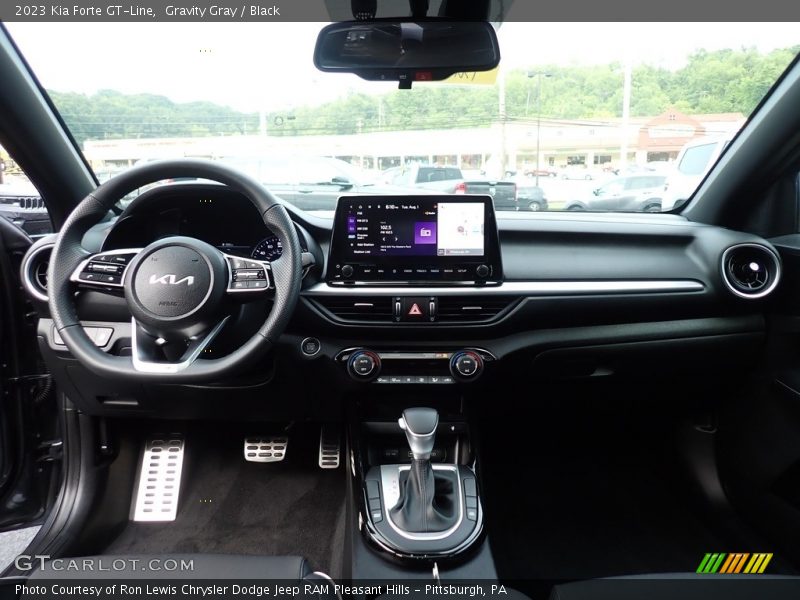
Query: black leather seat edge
(680, 586)
(176, 566)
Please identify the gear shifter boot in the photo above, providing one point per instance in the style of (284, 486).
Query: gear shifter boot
(428, 500)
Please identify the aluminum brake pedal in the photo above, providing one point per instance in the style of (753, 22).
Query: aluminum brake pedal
(265, 448)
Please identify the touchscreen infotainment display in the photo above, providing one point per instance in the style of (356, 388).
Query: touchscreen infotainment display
(415, 228)
(397, 238)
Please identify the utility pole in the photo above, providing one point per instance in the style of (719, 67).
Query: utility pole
(538, 75)
(626, 112)
(501, 109)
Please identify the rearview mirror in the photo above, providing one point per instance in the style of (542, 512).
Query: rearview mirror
(392, 50)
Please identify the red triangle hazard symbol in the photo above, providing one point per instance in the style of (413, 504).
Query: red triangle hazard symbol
(414, 310)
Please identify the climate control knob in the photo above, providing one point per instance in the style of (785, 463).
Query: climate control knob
(364, 365)
(466, 365)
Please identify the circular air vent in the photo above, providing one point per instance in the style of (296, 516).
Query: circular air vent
(750, 270)
(34, 271)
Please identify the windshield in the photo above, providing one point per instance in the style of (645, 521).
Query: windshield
(571, 107)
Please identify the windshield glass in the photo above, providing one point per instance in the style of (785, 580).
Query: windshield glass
(571, 107)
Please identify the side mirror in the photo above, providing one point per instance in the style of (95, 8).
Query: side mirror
(342, 182)
(680, 203)
(406, 51)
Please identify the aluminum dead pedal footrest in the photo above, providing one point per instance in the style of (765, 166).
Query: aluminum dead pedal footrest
(265, 448)
(329, 446)
(156, 496)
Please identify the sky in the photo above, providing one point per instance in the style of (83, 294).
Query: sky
(268, 66)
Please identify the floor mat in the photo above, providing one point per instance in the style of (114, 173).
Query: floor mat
(231, 506)
(577, 496)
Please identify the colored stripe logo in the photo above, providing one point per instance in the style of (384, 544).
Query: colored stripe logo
(734, 563)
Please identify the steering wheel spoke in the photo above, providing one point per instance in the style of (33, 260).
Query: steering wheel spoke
(105, 269)
(157, 355)
(247, 276)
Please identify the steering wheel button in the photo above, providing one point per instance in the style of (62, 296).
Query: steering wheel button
(239, 285)
(104, 267)
(261, 284)
(86, 276)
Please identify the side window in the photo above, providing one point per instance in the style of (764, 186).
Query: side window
(424, 175)
(615, 186)
(643, 183)
(634, 183)
(695, 159)
(20, 201)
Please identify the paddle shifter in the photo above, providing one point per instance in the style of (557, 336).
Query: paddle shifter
(428, 501)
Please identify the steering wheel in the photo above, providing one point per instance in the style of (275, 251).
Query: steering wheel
(177, 288)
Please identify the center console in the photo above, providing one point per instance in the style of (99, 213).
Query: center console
(407, 261)
(420, 495)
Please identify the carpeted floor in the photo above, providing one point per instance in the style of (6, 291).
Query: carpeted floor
(231, 506)
(573, 494)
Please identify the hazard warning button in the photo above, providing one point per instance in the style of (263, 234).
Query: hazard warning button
(416, 308)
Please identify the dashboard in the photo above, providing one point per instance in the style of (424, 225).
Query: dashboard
(565, 295)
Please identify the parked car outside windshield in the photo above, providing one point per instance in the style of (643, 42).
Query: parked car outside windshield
(632, 193)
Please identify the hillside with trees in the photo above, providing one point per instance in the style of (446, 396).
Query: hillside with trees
(710, 82)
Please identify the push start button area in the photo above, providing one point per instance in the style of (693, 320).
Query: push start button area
(415, 309)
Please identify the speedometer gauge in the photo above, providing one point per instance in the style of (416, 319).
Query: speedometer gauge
(268, 249)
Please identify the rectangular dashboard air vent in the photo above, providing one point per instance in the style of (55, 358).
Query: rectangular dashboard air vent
(449, 309)
(462, 309)
(359, 308)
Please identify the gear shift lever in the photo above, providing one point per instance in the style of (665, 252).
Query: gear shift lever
(420, 427)
(427, 502)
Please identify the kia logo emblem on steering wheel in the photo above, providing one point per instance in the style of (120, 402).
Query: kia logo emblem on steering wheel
(171, 279)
